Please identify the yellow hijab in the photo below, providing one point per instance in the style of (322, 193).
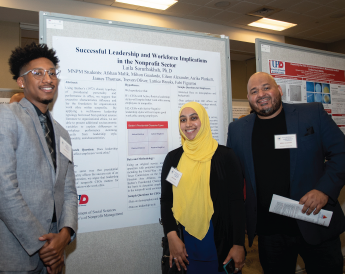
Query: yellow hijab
(192, 204)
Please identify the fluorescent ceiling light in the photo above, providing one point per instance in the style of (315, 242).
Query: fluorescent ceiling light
(266, 23)
(154, 4)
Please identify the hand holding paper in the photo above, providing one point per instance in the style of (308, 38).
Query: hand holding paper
(314, 200)
(293, 209)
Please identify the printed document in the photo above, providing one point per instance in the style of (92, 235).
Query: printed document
(293, 209)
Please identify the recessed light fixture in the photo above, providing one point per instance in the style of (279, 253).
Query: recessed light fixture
(222, 4)
(154, 4)
(267, 23)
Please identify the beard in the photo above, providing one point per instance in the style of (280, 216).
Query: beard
(47, 102)
(276, 103)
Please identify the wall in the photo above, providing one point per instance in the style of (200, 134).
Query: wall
(305, 43)
(338, 46)
(10, 38)
(240, 74)
(238, 79)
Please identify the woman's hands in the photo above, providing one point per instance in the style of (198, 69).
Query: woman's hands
(237, 254)
(177, 251)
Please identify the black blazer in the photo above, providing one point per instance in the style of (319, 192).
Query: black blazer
(226, 185)
(318, 138)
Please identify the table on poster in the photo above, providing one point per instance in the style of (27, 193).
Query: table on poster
(120, 103)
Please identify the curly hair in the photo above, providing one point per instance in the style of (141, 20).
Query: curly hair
(22, 56)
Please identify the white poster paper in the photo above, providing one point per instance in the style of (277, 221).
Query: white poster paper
(119, 101)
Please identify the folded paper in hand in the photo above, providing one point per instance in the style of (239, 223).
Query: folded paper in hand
(293, 209)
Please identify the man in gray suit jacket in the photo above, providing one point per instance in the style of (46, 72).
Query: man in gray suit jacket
(38, 198)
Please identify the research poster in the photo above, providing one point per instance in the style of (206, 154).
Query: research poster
(119, 102)
(303, 83)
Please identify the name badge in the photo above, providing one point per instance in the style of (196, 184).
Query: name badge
(66, 149)
(174, 176)
(285, 141)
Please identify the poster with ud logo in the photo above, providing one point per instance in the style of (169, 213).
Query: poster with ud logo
(302, 83)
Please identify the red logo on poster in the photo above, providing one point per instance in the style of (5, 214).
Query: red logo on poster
(277, 67)
(83, 199)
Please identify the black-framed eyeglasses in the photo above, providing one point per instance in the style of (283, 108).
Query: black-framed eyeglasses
(39, 73)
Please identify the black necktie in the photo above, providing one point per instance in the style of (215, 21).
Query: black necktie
(44, 124)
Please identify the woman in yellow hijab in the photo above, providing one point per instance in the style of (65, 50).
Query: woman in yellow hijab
(207, 201)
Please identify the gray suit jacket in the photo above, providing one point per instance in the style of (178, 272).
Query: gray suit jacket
(29, 186)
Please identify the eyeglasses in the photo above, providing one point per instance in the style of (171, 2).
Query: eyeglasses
(39, 73)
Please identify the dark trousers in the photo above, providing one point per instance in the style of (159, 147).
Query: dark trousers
(278, 254)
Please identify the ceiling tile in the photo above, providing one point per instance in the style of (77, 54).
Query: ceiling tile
(215, 21)
(310, 32)
(283, 15)
(212, 3)
(324, 35)
(295, 30)
(337, 28)
(226, 16)
(102, 2)
(150, 10)
(301, 19)
(205, 12)
(259, 2)
(245, 20)
(125, 6)
(196, 18)
(196, 2)
(283, 4)
(321, 2)
(182, 8)
(339, 4)
(320, 11)
(303, 7)
(244, 7)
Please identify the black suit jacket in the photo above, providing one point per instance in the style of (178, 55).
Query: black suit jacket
(318, 138)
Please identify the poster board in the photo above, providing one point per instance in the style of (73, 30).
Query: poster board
(307, 75)
(120, 90)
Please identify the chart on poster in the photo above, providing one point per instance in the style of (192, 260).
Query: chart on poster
(119, 101)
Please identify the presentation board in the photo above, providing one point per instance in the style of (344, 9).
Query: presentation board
(120, 91)
(306, 75)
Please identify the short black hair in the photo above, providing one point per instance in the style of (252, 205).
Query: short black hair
(22, 56)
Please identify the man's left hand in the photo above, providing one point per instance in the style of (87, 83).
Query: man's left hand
(314, 199)
(53, 250)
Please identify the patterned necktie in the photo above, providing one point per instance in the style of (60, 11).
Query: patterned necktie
(44, 124)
